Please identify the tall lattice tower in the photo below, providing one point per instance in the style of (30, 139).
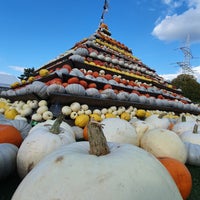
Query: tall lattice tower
(185, 64)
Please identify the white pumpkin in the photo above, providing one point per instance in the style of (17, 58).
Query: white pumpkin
(43, 140)
(164, 143)
(123, 172)
(119, 130)
(159, 121)
(192, 136)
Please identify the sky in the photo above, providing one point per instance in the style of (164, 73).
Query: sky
(34, 32)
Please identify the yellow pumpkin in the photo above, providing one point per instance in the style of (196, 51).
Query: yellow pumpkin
(82, 120)
(96, 117)
(43, 72)
(11, 113)
(31, 79)
(140, 113)
(110, 115)
(15, 84)
(126, 116)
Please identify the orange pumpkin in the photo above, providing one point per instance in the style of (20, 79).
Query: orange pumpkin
(83, 83)
(85, 133)
(73, 80)
(180, 174)
(9, 134)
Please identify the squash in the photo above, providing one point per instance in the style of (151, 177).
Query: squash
(110, 171)
(180, 174)
(55, 88)
(191, 136)
(193, 153)
(75, 88)
(21, 125)
(8, 154)
(44, 72)
(11, 113)
(119, 130)
(9, 134)
(164, 143)
(81, 120)
(159, 121)
(40, 142)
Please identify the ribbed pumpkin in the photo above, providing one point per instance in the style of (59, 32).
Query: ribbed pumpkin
(180, 174)
(9, 134)
(8, 154)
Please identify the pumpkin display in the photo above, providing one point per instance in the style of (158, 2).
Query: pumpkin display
(164, 143)
(8, 154)
(9, 134)
(109, 165)
(42, 140)
(180, 174)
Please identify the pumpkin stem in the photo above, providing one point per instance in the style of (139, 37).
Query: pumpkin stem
(183, 118)
(160, 116)
(195, 129)
(55, 128)
(97, 140)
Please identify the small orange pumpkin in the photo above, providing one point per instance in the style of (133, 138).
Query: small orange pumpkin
(9, 134)
(180, 174)
(73, 80)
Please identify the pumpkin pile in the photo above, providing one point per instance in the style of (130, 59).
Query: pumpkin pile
(100, 69)
(99, 107)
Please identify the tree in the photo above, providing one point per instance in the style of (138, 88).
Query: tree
(189, 86)
(28, 72)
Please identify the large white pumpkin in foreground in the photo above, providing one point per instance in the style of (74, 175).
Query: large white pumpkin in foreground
(125, 172)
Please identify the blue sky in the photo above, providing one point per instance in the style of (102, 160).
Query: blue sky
(33, 32)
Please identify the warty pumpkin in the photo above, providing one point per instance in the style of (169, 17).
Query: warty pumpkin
(110, 171)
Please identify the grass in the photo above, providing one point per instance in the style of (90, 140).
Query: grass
(8, 186)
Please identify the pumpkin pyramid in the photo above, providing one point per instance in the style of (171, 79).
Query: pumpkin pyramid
(101, 72)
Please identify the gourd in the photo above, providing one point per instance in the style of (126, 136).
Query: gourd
(42, 141)
(111, 171)
(191, 136)
(9, 134)
(11, 113)
(93, 92)
(81, 120)
(180, 174)
(55, 88)
(77, 58)
(21, 125)
(183, 125)
(8, 154)
(159, 121)
(75, 88)
(164, 143)
(193, 153)
(119, 130)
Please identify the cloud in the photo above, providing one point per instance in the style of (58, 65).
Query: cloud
(17, 68)
(196, 74)
(178, 26)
